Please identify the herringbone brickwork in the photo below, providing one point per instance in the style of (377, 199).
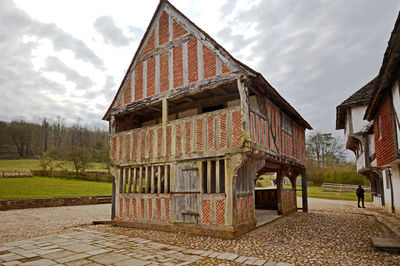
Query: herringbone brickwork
(127, 208)
(188, 137)
(134, 207)
(210, 63)
(237, 129)
(178, 148)
(151, 78)
(139, 82)
(177, 30)
(220, 212)
(206, 212)
(199, 135)
(210, 134)
(163, 28)
(127, 92)
(222, 131)
(150, 207)
(178, 66)
(150, 45)
(192, 61)
(164, 72)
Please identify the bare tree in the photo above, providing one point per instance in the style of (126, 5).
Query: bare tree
(324, 149)
(21, 136)
(80, 158)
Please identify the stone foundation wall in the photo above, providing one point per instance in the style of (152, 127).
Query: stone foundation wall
(13, 204)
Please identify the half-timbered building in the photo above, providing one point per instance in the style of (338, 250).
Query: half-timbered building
(191, 129)
(384, 111)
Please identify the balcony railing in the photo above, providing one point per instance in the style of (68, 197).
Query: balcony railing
(208, 134)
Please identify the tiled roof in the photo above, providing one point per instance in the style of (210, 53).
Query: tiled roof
(360, 97)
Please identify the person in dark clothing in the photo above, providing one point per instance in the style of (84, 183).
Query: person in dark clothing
(360, 195)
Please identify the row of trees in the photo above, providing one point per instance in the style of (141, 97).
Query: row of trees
(327, 161)
(55, 140)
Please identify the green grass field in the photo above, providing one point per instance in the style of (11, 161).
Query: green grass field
(48, 187)
(33, 164)
(316, 192)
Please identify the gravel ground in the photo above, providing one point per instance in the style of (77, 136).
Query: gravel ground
(333, 232)
(29, 223)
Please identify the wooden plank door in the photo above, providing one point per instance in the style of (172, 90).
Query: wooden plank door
(186, 197)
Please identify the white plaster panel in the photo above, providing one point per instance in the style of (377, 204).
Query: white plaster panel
(357, 116)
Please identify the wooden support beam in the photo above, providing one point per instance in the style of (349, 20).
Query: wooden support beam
(152, 179)
(159, 180)
(164, 122)
(244, 106)
(140, 179)
(113, 198)
(123, 180)
(208, 176)
(165, 179)
(129, 179)
(200, 167)
(217, 184)
(134, 185)
(304, 189)
(146, 180)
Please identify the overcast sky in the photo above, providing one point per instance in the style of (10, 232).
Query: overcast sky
(67, 58)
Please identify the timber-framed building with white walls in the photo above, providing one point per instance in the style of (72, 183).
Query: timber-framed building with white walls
(384, 111)
(191, 130)
(359, 137)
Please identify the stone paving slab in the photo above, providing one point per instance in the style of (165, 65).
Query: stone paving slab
(90, 247)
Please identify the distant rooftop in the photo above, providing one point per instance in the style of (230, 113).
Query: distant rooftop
(360, 97)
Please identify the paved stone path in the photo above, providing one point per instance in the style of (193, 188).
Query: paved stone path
(333, 232)
(90, 247)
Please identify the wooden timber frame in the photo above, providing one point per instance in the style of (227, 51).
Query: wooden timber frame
(189, 141)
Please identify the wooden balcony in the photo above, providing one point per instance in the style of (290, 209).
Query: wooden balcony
(267, 134)
(207, 135)
(210, 134)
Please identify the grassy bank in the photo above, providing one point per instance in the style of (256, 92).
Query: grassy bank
(316, 192)
(33, 164)
(45, 187)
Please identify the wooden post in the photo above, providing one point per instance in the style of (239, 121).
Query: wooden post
(244, 106)
(165, 179)
(119, 181)
(164, 123)
(129, 180)
(113, 198)
(200, 167)
(217, 185)
(304, 189)
(134, 180)
(140, 179)
(123, 180)
(208, 176)
(152, 179)
(279, 177)
(159, 180)
(146, 180)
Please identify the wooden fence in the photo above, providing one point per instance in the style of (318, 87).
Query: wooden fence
(15, 174)
(342, 187)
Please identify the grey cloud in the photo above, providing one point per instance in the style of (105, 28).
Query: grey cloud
(25, 91)
(317, 53)
(137, 32)
(53, 64)
(111, 33)
(15, 22)
(228, 7)
(109, 88)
